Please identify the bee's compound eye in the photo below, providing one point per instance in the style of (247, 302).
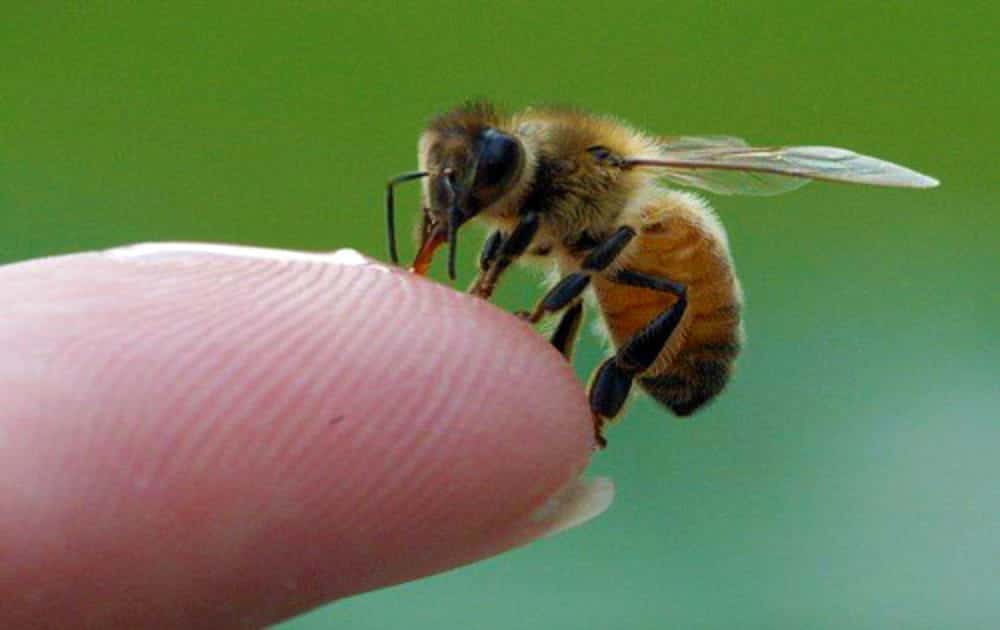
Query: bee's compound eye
(601, 154)
(499, 159)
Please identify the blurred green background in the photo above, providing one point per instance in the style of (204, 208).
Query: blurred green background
(847, 478)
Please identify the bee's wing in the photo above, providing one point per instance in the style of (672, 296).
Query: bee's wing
(727, 165)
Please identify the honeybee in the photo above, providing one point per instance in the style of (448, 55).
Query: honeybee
(587, 193)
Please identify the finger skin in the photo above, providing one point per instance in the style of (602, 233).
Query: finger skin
(224, 440)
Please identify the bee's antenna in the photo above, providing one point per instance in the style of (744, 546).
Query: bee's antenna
(390, 203)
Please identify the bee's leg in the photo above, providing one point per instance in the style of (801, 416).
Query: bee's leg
(509, 250)
(569, 325)
(613, 379)
(487, 256)
(491, 250)
(572, 286)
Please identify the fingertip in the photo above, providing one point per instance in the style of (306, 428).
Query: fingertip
(320, 420)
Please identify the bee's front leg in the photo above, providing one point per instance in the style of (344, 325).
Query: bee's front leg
(499, 252)
(487, 256)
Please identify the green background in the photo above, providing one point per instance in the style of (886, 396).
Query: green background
(846, 479)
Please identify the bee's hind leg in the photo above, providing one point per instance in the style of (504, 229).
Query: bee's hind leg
(612, 381)
(611, 384)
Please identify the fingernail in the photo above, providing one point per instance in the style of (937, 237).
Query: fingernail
(574, 505)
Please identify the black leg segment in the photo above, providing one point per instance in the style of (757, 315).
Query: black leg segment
(569, 326)
(572, 286)
(565, 291)
(604, 254)
(519, 240)
(641, 350)
(610, 389)
(508, 250)
(491, 249)
(647, 281)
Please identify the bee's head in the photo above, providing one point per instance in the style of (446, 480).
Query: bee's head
(471, 171)
(469, 165)
(466, 174)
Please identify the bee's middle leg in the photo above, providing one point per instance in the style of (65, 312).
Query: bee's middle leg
(571, 287)
(564, 338)
(568, 291)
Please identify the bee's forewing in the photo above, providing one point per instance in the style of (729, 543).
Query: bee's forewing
(728, 165)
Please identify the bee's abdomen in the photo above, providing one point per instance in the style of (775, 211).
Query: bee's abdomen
(694, 376)
(681, 241)
(697, 361)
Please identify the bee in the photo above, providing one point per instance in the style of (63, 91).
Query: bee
(587, 193)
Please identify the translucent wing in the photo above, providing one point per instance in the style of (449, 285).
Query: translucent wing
(728, 165)
(690, 143)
